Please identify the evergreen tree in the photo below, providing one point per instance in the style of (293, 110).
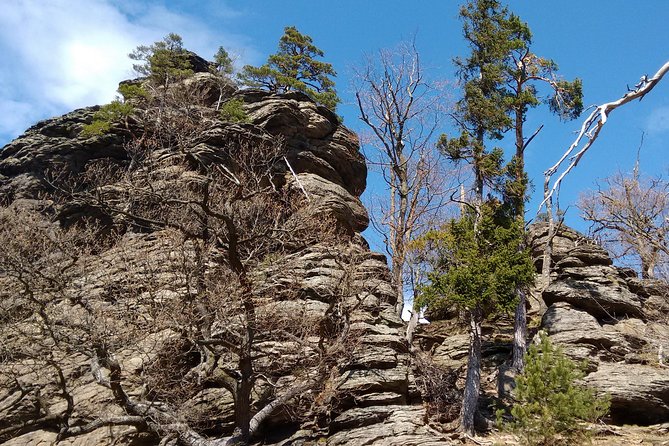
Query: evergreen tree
(500, 80)
(481, 117)
(477, 269)
(163, 62)
(295, 68)
(523, 73)
(550, 406)
(223, 62)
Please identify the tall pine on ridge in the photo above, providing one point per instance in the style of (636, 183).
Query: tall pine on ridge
(294, 68)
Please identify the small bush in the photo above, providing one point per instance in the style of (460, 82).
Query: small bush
(233, 111)
(103, 119)
(551, 407)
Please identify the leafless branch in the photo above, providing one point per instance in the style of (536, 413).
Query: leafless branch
(593, 125)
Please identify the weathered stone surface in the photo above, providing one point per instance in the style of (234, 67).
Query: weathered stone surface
(647, 287)
(392, 425)
(362, 381)
(565, 240)
(375, 385)
(603, 301)
(208, 87)
(334, 200)
(590, 254)
(612, 319)
(587, 339)
(316, 142)
(562, 318)
(452, 352)
(53, 145)
(639, 393)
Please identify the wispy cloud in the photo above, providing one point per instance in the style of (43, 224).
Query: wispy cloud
(658, 121)
(63, 54)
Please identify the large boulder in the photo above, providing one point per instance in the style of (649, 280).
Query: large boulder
(639, 393)
(605, 315)
(371, 394)
(332, 199)
(601, 300)
(316, 142)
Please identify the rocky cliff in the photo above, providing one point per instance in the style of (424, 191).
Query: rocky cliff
(599, 314)
(616, 322)
(87, 332)
(140, 266)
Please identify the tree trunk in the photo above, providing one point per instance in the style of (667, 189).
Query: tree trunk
(399, 256)
(520, 333)
(397, 267)
(520, 319)
(243, 395)
(411, 328)
(245, 381)
(548, 248)
(648, 262)
(470, 399)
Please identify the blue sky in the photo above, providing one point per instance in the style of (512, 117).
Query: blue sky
(63, 54)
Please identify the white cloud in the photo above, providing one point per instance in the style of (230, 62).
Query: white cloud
(658, 121)
(64, 54)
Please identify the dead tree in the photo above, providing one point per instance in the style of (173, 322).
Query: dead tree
(591, 127)
(402, 109)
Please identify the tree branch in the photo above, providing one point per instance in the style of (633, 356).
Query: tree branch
(593, 125)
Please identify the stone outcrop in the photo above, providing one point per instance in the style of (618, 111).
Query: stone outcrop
(601, 315)
(611, 319)
(375, 400)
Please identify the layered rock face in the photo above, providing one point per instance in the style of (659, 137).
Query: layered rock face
(371, 396)
(611, 319)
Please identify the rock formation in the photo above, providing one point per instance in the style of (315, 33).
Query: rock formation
(616, 322)
(97, 297)
(369, 397)
(600, 314)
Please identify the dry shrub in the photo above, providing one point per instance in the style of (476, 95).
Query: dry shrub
(438, 388)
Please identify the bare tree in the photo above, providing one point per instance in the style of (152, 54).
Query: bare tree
(630, 214)
(586, 137)
(221, 217)
(402, 110)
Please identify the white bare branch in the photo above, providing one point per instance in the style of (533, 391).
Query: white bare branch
(591, 127)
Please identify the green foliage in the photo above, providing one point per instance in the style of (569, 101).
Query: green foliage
(223, 62)
(295, 68)
(500, 79)
(106, 116)
(98, 127)
(514, 185)
(489, 31)
(233, 111)
(550, 406)
(163, 62)
(476, 270)
(132, 91)
(567, 102)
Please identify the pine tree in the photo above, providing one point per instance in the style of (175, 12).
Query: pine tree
(500, 79)
(480, 119)
(523, 72)
(295, 68)
(223, 62)
(550, 406)
(164, 61)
